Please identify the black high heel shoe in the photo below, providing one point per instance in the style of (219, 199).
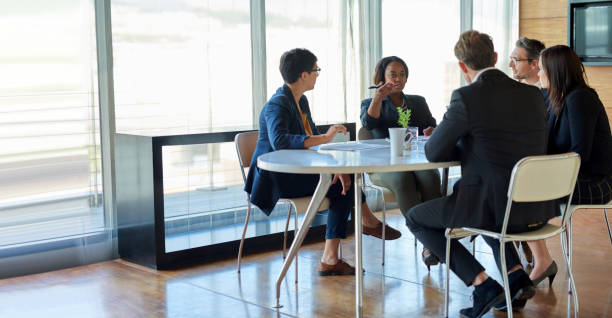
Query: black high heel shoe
(429, 259)
(550, 272)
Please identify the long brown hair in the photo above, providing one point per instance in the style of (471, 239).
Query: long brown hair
(565, 73)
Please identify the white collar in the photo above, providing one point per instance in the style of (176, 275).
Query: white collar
(482, 71)
(538, 84)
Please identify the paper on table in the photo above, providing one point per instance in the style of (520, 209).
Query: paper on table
(352, 146)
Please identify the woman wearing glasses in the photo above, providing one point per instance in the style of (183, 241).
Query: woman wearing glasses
(577, 122)
(380, 113)
(285, 123)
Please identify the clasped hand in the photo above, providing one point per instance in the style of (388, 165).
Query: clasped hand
(345, 179)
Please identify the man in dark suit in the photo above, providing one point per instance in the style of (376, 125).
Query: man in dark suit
(490, 124)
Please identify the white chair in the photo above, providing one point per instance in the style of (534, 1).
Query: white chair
(534, 179)
(575, 208)
(245, 147)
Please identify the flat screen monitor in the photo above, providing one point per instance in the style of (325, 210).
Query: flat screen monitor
(591, 31)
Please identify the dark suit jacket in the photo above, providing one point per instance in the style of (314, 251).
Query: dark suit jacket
(583, 127)
(489, 126)
(420, 115)
(280, 127)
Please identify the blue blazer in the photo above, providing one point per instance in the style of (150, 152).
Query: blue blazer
(280, 127)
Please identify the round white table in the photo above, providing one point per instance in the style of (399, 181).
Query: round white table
(355, 158)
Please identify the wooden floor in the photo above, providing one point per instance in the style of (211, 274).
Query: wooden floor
(403, 288)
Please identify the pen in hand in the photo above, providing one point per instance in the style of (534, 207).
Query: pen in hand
(381, 85)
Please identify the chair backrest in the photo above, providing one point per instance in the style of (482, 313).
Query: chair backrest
(245, 147)
(543, 178)
(364, 134)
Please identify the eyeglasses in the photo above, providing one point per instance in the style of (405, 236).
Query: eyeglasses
(317, 70)
(517, 60)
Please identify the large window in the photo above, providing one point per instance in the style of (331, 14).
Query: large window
(186, 66)
(50, 180)
(319, 26)
(433, 69)
(182, 65)
(499, 19)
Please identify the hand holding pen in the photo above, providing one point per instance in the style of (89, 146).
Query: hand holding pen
(384, 89)
(381, 84)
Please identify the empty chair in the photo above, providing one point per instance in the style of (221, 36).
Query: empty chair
(587, 207)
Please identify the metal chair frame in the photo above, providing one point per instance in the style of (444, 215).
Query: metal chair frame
(562, 182)
(244, 161)
(364, 134)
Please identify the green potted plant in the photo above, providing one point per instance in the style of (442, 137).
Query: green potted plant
(404, 117)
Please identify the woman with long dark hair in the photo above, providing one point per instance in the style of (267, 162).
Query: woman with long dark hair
(577, 122)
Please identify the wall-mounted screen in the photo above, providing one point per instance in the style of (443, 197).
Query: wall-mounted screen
(591, 30)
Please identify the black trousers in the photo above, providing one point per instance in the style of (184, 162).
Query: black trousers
(428, 222)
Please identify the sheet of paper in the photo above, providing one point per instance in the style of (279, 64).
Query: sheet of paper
(352, 146)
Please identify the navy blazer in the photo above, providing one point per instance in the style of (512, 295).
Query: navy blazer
(583, 127)
(489, 126)
(280, 127)
(420, 115)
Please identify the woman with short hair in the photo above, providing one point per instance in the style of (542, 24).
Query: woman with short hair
(285, 123)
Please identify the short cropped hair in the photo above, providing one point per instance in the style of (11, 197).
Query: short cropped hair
(475, 49)
(294, 62)
(381, 66)
(533, 47)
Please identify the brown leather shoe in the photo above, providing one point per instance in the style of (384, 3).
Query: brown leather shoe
(340, 268)
(390, 233)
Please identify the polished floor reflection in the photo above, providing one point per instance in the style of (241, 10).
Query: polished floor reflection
(403, 288)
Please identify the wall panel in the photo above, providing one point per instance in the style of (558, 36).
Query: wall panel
(546, 20)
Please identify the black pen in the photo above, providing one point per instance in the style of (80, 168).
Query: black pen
(376, 86)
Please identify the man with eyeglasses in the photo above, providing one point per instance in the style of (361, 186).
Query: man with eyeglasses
(524, 61)
(525, 68)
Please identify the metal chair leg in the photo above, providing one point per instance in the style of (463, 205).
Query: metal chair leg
(317, 198)
(246, 224)
(286, 230)
(295, 227)
(608, 225)
(504, 272)
(446, 291)
(569, 231)
(566, 253)
(384, 223)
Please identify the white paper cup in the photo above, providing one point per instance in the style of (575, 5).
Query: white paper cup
(396, 138)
